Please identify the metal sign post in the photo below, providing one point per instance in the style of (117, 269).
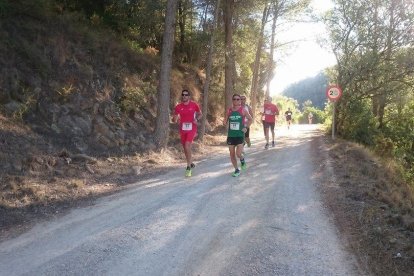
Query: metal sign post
(333, 120)
(333, 92)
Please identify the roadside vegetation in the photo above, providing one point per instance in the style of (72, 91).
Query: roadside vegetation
(376, 70)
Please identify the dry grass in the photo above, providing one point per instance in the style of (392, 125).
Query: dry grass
(52, 179)
(381, 176)
(372, 208)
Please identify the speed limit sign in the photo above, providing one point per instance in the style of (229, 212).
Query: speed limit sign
(333, 92)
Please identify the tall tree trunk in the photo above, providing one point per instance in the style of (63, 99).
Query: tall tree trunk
(376, 35)
(202, 25)
(389, 49)
(229, 56)
(256, 66)
(181, 23)
(272, 49)
(208, 72)
(163, 109)
(190, 49)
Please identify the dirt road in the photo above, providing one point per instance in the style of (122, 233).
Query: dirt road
(268, 221)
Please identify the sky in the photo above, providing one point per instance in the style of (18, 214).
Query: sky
(306, 58)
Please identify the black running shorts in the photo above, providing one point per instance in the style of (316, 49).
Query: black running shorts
(234, 141)
(267, 125)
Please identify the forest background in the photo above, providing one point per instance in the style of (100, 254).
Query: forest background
(91, 79)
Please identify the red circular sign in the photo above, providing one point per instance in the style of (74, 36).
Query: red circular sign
(333, 92)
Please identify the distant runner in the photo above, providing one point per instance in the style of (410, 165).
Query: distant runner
(237, 127)
(288, 115)
(310, 117)
(188, 113)
(270, 111)
(249, 109)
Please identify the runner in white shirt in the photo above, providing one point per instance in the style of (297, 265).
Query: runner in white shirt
(248, 109)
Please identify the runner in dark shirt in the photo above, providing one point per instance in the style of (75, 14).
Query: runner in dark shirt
(288, 115)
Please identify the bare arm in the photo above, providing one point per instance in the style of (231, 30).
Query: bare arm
(175, 118)
(198, 116)
(262, 111)
(250, 112)
(249, 118)
(226, 119)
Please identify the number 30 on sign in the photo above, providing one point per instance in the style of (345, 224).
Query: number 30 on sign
(333, 92)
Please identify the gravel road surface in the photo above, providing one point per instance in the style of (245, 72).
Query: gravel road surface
(267, 221)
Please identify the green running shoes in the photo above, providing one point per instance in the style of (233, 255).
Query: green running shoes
(243, 164)
(236, 173)
(188, 172)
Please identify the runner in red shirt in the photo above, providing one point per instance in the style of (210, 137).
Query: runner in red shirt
(270, 111)
(188, 113)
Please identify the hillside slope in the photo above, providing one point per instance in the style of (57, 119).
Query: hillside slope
(72, 95)
(66, 81)
(312, 88)
(78, 86)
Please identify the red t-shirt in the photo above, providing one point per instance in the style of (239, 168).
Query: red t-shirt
(270, 111)
(187, 113)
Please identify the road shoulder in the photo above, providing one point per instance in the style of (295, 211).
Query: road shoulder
(379, 232)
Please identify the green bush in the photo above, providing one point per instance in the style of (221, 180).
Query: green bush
(399, 128)
(4, 8)
(136, 97)
(356, 122)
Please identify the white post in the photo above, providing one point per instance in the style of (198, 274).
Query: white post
(333, 121)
